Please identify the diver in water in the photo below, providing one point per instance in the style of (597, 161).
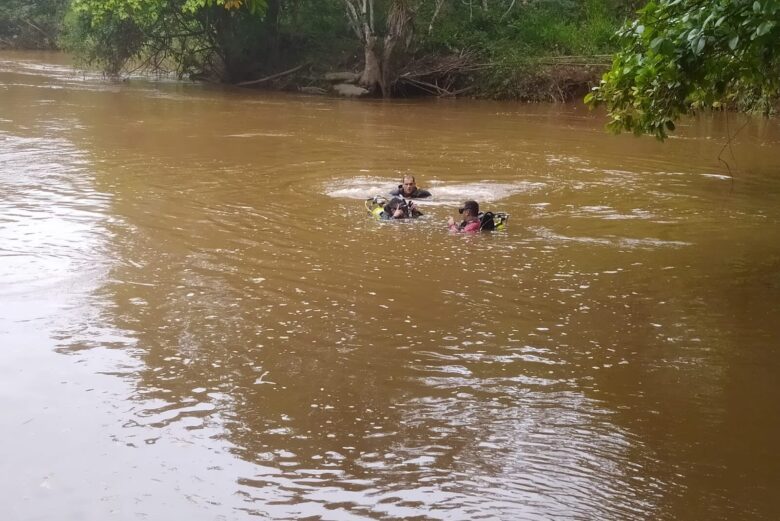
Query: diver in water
(471, 221)
(408, 189)
(476, 221)
(398, 208)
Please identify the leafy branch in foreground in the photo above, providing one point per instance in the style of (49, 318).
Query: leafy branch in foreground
(684, 55)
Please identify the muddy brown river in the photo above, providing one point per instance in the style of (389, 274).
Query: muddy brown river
(198, 320)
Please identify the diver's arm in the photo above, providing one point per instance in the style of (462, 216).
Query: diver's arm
(452, 225)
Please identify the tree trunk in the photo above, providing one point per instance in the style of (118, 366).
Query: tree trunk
(381, 54)
(397, 40)
(389, 65)
(271, 24)
(372, 73)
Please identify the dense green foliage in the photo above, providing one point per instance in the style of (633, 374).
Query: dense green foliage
(683, 55)
(564, 27)
(225, 40)
(193, 37)
(678, 56)
(536, 48)
(502, 47)
(31, 24)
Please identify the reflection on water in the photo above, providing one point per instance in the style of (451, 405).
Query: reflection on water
(199, 319)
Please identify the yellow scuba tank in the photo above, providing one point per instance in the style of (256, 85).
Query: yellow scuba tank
(375, 206)
(500, 219)
(489, 221)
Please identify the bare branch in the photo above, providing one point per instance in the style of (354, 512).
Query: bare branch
(273, 76)
(439, 3)
(508, 10)
(28, 22)
(354, 19)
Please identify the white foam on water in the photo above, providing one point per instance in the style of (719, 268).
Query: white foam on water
(260, 134)
(363, 187)
(485, 191)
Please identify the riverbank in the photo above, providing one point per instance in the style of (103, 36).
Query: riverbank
(533, 82)
(552, 80)
(551, 51)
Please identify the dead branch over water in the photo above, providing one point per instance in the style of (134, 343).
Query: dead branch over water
(273, 76)
(440, 75)
(553, 78)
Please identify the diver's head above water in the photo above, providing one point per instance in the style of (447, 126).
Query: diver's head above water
(397, 208)
(408, 189)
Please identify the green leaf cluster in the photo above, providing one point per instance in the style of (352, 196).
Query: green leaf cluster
(679, 56)
(31, 23)
(188, 36)
(124, 9)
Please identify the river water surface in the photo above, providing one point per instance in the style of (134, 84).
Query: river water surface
(198, 320)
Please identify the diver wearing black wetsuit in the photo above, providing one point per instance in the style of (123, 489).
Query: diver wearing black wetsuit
(398, 208)
(408, 189)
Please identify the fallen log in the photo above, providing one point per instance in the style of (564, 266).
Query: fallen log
(313, 90)
(272, 77)
(350, 91)
(342, 77)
